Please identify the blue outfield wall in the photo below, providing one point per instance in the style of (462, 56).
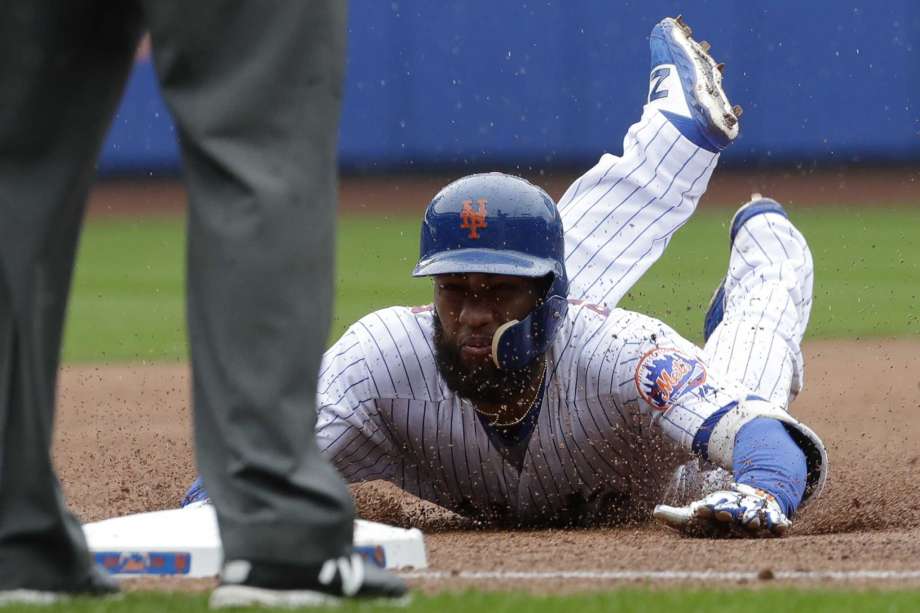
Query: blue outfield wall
(555, 83)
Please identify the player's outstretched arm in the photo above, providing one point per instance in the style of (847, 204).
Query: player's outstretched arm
(770, 474)
(778, 464)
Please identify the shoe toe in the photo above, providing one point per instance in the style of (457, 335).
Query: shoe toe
(382, 583)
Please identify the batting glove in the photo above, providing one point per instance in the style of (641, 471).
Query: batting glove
(740, 511)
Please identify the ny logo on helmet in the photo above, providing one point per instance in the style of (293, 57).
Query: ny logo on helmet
(473, 220)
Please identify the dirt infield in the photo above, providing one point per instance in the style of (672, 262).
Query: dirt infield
(123, 445)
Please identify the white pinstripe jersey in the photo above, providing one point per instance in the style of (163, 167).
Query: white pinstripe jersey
(609, 422)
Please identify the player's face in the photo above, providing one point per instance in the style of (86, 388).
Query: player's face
(469, 309)
(472, 306)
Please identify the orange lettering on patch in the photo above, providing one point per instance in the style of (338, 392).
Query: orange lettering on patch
(665, 383)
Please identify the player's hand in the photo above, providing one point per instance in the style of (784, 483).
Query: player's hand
(741, 511)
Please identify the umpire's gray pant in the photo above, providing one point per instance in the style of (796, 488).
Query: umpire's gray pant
(255, 88)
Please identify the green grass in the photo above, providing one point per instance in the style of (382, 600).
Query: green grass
(374, 262)
(867, 272)
(625, 600)
(128, 297)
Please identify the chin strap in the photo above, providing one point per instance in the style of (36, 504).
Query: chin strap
(516, 344)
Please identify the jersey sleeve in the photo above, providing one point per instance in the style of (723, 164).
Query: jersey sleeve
(664, 376)
(350, 431)
(698, 409)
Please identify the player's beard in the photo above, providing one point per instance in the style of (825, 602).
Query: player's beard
(484, 382)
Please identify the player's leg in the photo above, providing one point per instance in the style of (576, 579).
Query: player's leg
(62, 70)
(256, 88)
(755, 322)
(760, 312)
(620, 216)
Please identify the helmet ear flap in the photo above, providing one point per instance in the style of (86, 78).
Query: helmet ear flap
(497, 338)
(515, 344)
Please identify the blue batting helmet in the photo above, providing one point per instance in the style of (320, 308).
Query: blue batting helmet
(500, 224)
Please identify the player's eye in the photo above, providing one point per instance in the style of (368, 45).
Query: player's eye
(452, 289)
(504, 289)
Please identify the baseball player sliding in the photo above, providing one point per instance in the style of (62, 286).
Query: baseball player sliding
(523, 396)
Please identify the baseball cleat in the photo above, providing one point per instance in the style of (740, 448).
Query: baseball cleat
(246, 584)
(757, 205)
(686, 85)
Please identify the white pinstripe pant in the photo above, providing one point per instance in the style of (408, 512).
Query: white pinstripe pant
(768, 297)
(621, 215)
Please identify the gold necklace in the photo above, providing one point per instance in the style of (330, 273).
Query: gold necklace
(533, 399)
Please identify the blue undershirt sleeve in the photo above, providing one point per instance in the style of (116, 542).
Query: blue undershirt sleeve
(766, 457)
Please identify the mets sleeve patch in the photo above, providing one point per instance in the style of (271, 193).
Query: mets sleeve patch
(664, 375)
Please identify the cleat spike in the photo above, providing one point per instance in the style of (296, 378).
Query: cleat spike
(683, 25)
(705, 46)
(737, 110)
(721, 68)
(730, 120)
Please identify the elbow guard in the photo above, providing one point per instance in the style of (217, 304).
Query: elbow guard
(721, 442)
